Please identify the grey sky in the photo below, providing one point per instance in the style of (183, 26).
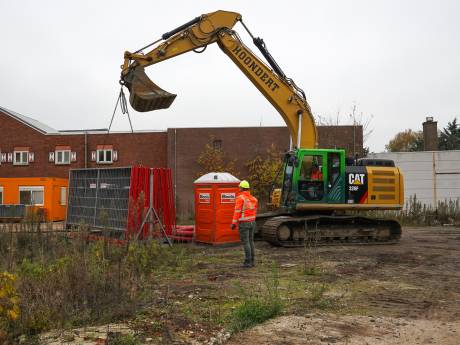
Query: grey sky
(396, 60)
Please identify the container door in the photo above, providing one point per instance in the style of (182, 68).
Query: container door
(225, 205)
(204, 214)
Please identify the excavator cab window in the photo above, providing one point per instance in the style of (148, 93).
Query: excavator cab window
(291, 163)
(311, 180)
(334, 168)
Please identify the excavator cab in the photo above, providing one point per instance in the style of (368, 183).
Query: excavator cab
(145, 95)
(313, 176)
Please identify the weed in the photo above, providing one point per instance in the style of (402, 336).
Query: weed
(255, 309)
(311, 257)
(65, 283)
(317, 298)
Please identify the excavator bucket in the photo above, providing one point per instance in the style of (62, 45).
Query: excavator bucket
(145, 95)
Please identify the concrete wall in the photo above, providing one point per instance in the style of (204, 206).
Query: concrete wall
(432, 175)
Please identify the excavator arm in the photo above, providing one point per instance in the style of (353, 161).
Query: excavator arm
(288, 99)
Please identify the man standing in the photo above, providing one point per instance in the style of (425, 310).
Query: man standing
(245, 217)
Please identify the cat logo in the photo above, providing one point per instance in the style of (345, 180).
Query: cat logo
(356, 179)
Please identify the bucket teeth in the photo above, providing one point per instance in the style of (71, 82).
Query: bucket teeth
(145, 95)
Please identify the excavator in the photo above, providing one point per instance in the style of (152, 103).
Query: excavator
(320, 193)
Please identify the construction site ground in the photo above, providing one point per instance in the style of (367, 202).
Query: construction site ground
(408, 293)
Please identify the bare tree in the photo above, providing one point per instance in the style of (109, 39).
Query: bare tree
(354, 118)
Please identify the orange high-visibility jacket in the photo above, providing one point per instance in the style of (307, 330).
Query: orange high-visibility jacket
(316, 175)
(245, 208)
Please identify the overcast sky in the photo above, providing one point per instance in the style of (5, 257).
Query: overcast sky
(397, 61)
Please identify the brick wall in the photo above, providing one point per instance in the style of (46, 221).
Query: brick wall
(178, 148)
(147, 149)
(242, 144)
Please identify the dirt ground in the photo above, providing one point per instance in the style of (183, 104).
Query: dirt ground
(406, 293)
(410, 294)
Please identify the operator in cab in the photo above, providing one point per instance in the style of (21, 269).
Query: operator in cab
(316, 174)
(244, 216)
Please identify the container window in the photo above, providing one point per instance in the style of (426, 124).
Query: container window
(32, 195)
(63, 196)
(21, 158)
(105, 156)
(62, 157)
(1, 195)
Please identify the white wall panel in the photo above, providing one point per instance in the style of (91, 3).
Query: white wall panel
(432, 176)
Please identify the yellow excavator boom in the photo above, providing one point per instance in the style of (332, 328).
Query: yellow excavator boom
(217, 27)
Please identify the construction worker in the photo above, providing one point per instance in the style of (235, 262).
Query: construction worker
(316, 174)
(245, 217)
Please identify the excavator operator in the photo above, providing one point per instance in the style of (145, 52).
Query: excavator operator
(316, 174)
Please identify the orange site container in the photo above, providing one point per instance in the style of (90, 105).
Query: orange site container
(49, 193)
(215, 195)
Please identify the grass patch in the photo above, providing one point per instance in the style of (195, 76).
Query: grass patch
(257, 308)
(126, 339)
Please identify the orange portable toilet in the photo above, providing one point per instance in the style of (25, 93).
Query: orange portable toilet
(215, 195)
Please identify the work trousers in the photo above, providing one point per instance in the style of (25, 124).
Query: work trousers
(246, 230)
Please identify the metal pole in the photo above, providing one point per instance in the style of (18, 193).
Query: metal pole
(299, 133)
(151, 227)
(95, 202)
(435, 196)
(86, 149)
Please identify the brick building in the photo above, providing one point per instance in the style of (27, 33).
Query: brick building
(29, 148)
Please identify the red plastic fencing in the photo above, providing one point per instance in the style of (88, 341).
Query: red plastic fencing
(162, 200)
(139, 192)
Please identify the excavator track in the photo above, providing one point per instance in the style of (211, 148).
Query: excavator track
(296, 231)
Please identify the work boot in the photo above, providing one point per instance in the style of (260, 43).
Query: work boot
(246, 265)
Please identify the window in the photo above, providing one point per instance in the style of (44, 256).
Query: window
(311, 168)
(1, 195)
(63, 197)
(21, 158)
(311, 184)
(62, 157)
(217, 144)
(105, 156)
(32, 195)
(334, 168)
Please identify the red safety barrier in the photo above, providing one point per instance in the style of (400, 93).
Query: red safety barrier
(139, 198)
(160, 197)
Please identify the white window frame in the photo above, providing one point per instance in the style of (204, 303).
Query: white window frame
(105, 161)
(1, 193)
(32, 189)
(63, 152)
(63, 196)
(22, 156)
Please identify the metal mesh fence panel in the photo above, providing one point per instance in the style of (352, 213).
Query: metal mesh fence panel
(99, 198)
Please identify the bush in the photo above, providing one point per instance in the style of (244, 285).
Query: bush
(62, 282)
(9, 303)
